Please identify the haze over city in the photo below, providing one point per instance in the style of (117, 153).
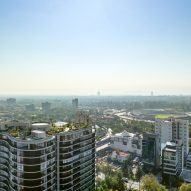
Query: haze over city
(81, 47)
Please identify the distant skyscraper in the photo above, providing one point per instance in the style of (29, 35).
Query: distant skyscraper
(98, 93)
(48, 159)
(30, 107)
(75, 103)
(46, 106)
(11, 101)
(152, 93)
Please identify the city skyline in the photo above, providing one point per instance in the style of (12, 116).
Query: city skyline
(82, 47)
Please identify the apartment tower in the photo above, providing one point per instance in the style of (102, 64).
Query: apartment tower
(171, 130)
(48, 158)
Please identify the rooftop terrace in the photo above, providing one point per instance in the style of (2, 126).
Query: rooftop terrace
(54, 129)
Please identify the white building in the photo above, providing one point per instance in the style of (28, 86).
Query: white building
(127, 142)
(181, 131)
(164, 129)
(173, 129)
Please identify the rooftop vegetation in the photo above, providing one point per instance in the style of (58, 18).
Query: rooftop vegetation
(65, 128)
(16, 132)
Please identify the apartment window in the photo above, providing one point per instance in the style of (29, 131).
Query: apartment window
(67, 160)
(87, 153)
(20, 167)
(68, 137)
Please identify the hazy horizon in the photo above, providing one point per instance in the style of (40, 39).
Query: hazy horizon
(75, 47)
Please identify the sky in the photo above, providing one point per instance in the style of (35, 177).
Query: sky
(80, 47)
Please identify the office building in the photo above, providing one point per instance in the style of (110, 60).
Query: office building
(46, 106)
(188, 161)
(173, 129)
(75, 103)
(30, 107)
(180, 130)
(164, 129)
(48, 158)
(172, 158)
(127, 142)
(82, 117)
(151, 151)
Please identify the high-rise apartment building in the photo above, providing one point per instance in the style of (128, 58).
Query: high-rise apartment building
(59, 158)
(173, 129)
(172, 158)
(151, 150)
(188, 161)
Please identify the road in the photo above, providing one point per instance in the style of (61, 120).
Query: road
(129, 116)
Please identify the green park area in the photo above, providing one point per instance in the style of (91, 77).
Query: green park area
(163, 116)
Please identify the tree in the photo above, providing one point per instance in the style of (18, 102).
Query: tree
(126, 165)
(120, 186)
(172, 181)
(101, 185)
(130, 173)
(150, 183)
(139, 174)
(185, 187)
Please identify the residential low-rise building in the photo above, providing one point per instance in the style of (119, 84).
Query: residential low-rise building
(119, 156)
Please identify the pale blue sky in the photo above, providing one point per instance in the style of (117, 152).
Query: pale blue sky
(85, 46)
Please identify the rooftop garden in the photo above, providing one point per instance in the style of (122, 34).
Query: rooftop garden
(64, 128)
(16, 132)
(23, 134)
